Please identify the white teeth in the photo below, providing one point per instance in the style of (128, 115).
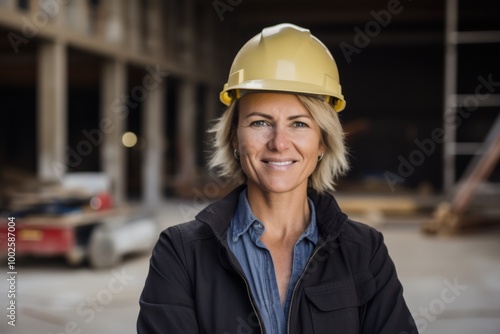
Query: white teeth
(280, 163)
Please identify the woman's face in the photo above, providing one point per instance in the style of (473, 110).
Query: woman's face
(278, 142)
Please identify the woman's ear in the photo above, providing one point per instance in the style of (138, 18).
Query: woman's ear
(234, 142)
(322, 148)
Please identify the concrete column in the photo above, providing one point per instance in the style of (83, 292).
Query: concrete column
(154, 26)
(186, 134)
(153, 112)
(58, 13)
(114, 111)
(77, 16)
(114, 30)
(52, 113)
(133, 25)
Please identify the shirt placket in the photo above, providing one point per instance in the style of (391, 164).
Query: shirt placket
(270, 284)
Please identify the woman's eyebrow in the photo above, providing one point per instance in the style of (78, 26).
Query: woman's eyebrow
(267, 116)
(255, 113)
(299, 116)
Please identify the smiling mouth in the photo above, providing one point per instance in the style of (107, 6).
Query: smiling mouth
(280, 163)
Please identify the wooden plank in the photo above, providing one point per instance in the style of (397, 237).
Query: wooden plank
(399, 204)
(449, 216)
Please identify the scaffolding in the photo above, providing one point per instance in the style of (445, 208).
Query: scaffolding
(461, 189)
(155, 37)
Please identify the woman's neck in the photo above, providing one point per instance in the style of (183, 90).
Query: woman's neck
(285, 215)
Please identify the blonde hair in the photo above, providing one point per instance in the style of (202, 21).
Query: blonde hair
(333, 164)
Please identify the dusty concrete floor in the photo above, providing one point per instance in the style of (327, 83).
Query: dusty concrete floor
(452, 285)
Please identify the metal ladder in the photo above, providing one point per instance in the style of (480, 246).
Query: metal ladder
(485, 155)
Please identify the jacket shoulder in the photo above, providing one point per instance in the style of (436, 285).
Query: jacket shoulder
(188, 232)
(361, 234)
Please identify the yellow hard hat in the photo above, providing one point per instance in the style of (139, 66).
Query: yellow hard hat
(285, 58)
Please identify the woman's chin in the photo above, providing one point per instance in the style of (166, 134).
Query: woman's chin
(275, 186)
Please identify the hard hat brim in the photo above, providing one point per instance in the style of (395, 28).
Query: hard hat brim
(226, 97)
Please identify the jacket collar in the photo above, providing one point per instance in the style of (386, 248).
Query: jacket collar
(329, 217)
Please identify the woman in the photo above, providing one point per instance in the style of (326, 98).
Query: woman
(276, 255)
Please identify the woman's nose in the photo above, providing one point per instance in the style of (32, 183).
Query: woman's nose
(279, 139)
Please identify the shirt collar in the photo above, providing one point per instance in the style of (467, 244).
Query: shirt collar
(243, 219)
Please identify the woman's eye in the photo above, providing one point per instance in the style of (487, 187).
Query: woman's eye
(300, 125)
(259, 123)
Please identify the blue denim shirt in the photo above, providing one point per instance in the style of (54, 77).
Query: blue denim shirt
(243, 238)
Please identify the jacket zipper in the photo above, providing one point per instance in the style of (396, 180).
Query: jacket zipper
(262, 329)
(297, 284)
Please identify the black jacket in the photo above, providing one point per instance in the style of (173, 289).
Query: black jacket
(195, 284)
